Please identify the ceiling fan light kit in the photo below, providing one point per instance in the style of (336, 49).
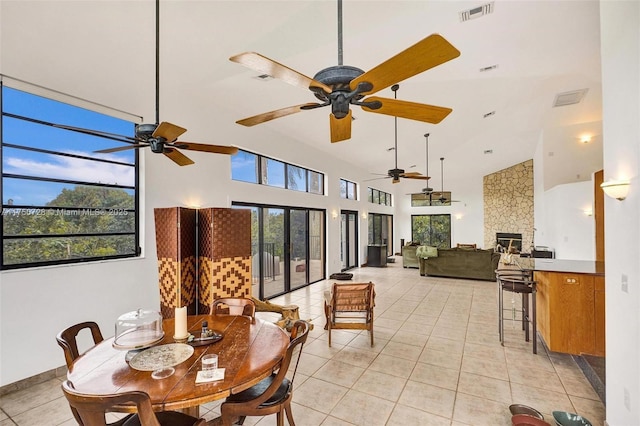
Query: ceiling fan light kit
(341, 86)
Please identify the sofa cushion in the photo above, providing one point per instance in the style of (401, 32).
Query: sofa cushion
(427, 251)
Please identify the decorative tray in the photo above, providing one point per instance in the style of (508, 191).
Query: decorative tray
(197, 339)
(162, 356)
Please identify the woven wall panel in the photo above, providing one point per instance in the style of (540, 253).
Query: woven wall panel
(230, 277)
(225, 254)
(225, 233)
(176, 250)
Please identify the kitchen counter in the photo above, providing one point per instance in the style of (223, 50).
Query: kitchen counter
(562, 265)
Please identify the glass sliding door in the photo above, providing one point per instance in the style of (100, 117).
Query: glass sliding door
(273, 241)
(381, 231)
(348, 239)
(287, 248)
(298, 239)
(316, 245)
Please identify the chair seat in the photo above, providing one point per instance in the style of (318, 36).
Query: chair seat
(516, 287)
(166, 418)
(258, 389)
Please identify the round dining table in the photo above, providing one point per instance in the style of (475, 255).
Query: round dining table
(249, 351)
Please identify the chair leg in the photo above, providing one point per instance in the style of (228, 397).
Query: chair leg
(279, 418)
(535, 325)
(287, 410)
(525, 317)
(500, 314)
(241, 420)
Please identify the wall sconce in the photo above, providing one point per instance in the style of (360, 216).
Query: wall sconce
(364, 215)
(458, 216)
(617, 189)
(588, 211)
(585, 139)
(334, 214)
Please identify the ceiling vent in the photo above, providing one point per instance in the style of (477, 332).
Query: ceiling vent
(476, 12)
(263, 77)
(489, 68)
(569, 98)
(489, 114)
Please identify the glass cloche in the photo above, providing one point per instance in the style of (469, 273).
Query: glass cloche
(138, 329)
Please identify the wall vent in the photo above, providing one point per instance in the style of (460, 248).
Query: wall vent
(569, 98)
(476, 12)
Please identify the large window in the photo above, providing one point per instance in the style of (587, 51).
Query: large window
(432, 199)
(347, 189)
(432, 229)
(61, 201)
(376, 196)
(254, 168)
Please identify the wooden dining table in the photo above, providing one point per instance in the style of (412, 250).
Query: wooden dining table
(249, 351)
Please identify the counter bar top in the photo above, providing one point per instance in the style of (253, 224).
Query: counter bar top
(562, 265)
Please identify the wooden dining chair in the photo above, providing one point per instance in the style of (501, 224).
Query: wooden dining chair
(92, 409)
(349, 306)
(234, 306)
(67, 339)
(273, 394)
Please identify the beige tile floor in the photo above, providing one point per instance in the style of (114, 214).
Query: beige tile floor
(436, 361)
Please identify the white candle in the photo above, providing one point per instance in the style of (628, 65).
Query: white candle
(181, 323)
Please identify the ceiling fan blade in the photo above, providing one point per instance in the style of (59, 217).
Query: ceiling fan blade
(395, 180)
(178, 157)
(407, 174)
(340, 127)
(168, 131)
(271, 115)
(417, 177)
(425, 54)
(216, 149)
(411, 110)
(122, 148)
(264, 65)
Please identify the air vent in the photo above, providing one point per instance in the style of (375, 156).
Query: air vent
(489, 114)
(263, 77)
(569, 98)
(489, 68)
(476, 12)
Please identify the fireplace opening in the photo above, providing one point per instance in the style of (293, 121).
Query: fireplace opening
(504, 239)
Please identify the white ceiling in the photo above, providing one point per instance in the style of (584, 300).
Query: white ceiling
(104, 51)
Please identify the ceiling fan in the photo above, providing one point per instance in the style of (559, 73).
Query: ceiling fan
(441, 195)
(341, 85)
(161, 138)
(395, 174)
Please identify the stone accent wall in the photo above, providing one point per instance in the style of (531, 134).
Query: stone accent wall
(508, 204)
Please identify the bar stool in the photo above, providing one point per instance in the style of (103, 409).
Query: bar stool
(520, 282)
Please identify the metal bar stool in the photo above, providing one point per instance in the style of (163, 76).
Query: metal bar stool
(520, 282)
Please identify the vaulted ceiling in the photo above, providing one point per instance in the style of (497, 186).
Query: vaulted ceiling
(104, 51)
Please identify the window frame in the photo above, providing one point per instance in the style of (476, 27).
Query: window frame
(46, 208)
(261, 174)
(414, 237)
(347, 186)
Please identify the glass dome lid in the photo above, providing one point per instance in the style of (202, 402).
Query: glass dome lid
(138, 329)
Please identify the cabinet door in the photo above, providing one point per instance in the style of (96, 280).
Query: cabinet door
(599, 317)
(572, 313)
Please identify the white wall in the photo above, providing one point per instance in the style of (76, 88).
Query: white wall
(566, 228)
(620, 43)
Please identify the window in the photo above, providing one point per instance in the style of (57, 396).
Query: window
(432, 229)
(62, 202)
(432, 199)
(379, 197)
(347, 189)
(255, 168)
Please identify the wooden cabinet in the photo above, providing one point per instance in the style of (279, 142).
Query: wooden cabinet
(570, 315)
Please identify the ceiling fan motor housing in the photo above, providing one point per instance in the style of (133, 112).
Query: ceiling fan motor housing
(144, 131)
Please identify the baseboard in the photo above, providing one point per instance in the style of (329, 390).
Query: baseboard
(59, 372)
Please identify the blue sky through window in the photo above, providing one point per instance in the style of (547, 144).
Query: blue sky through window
(51, 165)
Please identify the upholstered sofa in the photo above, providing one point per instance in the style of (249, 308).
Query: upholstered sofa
(409, 258)
(475, 264)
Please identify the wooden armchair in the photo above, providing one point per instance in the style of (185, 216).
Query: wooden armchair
(350, 306)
